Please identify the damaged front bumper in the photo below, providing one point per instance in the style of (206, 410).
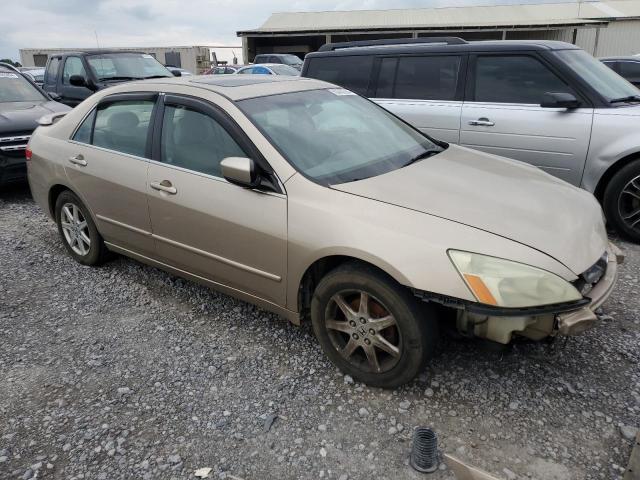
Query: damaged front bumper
(576, 322)
(501, 324)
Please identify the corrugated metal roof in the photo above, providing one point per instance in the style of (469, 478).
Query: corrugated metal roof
(447, 17)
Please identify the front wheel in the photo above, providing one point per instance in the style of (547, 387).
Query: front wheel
(372, 328)
(621, 201)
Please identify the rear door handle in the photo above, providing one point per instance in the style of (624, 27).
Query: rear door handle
(483, 121)
(78, 160)
(164, 186)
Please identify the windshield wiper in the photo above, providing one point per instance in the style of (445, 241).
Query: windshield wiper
(156, 76)
(630, 98)
(422, 156)
(101, 79)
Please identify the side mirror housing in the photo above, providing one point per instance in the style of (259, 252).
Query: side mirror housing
(240, 171)
(175, 72)
(559, 100)
(78, 81)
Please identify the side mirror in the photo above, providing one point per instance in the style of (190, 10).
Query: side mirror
(559, 100)
(240, 171)
(176, 73)
(54, 96)
(78, 81)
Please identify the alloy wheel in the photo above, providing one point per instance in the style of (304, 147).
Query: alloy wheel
(75, 229)
(629, 204)
(363, 331)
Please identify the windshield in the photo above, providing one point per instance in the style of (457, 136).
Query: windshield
(291, 60)
(284, 70)
(604, 80)
(334, 136)
(126, 65)
(14, 88)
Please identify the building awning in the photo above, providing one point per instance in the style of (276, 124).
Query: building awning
(556, 15)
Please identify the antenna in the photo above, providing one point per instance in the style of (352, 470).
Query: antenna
(97, 42)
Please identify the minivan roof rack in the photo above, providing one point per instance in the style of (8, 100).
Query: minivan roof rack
(328, 47)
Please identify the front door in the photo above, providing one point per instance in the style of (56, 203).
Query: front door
(425, 91)
(203, 224)
(71, 94)
(107, 163)
(503, 115)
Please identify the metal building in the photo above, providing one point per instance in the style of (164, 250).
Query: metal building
(602, 28)
(196, 59)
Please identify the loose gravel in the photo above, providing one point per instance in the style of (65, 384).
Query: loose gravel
(125, 371)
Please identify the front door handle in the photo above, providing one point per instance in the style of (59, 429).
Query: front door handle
(164, 186)
(483, 121)
(78, 160)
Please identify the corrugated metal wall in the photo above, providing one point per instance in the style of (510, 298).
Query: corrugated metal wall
(621, 37)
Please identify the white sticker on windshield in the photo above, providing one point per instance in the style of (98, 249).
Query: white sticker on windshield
(340, 91)
(146, 55)
(8, 75)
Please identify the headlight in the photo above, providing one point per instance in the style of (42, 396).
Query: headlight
(503, 283)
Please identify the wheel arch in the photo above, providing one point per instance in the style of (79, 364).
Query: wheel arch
(606, 177)
(323, 265)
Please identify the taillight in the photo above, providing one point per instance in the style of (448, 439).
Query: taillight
(27, 153)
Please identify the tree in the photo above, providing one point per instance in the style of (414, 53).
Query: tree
(10, 62)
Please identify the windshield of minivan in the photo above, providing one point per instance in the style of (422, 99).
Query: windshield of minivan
(116, 66)
(14, 88)
(335, 136)
(607, 82)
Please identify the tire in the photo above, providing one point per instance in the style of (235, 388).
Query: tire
(622, 199)
(74, 233)
(413, 336)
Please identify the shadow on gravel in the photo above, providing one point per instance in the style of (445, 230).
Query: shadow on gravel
(15, 193)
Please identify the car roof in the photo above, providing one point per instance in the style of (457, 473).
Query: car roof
(95, 51)
(475, 46)
(235, 87)
(622, 57)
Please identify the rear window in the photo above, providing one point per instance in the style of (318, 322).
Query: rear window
(352, 72)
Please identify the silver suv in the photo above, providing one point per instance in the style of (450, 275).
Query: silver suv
(546, 103)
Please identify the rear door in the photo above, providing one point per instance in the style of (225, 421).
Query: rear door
(107, 165)
(502, 114)
(424, 90)
(72, 95)
(203, 224)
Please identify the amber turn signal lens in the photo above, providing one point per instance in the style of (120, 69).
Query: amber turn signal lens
(479, 289)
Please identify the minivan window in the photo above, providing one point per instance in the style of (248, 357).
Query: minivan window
(352, 72)
(600, 77)
(515, 79)
(334, 136)
(420, 77)
(194, 140)
(123, 126)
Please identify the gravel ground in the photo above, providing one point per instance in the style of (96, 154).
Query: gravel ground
(127, 372)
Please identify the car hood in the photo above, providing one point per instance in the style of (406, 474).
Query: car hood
(498, 195)
(23, 116)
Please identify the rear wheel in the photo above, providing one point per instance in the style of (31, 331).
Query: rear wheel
(77, 230)
(372, 328)
(622, 201)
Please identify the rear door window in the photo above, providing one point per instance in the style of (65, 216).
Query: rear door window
(352, 72)
(515, 79)
(419, 77)
(123, 126)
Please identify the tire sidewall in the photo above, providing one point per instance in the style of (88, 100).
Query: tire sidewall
(611, 199)
(95, 250)
(418, 342)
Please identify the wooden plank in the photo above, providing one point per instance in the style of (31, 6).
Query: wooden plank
(633, 469)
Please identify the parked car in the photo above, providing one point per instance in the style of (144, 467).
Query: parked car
(546, 103)
(282, 58)
(22, 103)
(268, 69)
(626, 67)
(223, 70)
(75, 76)
(36, 74)
(306, 199)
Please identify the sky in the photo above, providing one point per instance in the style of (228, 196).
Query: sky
(140, 23)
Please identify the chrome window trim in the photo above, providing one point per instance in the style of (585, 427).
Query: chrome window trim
(108, 150)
